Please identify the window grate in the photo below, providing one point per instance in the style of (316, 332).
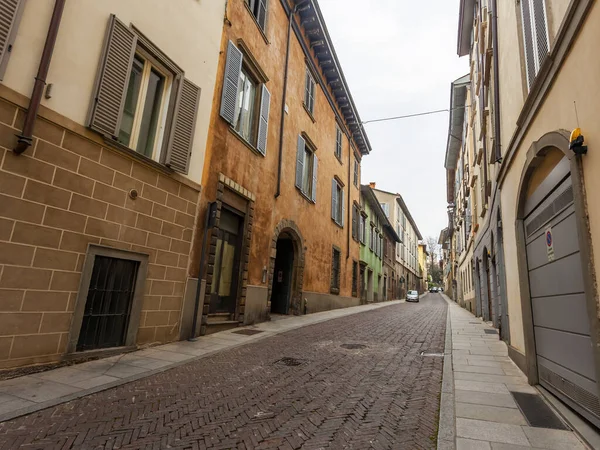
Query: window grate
(108, 303)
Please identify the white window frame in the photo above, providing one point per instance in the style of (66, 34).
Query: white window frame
(310, 92)
(159, 133)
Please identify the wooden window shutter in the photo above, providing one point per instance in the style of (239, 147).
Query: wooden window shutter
(314, 180)
(263, 124)
(541, 31)
(334, 200)
(10, 16)
(343, 218)
(300, 161)
(354, 222)
(112, 79)
(261, 18)
(231, 77)
(528, 41)
(184, 127)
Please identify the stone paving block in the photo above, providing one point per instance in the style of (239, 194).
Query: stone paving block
(122, 370)
(469, 444)
(36, 390)
(490, 431)
(552, 439)
(14, 404)
(489, 378)
(494, 388)
(490, 413)
(498, 446)
(479, 369)
(95, 382)
(485, 398)
(65, 375)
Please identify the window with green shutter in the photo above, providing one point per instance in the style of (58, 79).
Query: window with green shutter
(309, 92)
(142, 99)
(338, 142)
(338, 204)
(306, 169)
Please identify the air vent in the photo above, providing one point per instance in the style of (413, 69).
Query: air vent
(579, 395)
(560, 203)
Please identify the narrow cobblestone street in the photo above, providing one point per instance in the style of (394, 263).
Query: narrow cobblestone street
(354, 382)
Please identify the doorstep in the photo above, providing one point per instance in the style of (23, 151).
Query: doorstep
(30, 393)
(478, 410)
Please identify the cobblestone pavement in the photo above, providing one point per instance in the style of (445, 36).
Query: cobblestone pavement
(303, 389)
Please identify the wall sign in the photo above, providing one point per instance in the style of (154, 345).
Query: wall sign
(549, 244)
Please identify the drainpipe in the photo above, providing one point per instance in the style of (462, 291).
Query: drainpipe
(498, 149)
(349, 219)
(26, 137)
(285, 82)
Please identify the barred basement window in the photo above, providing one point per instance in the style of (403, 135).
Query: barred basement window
(335, 271)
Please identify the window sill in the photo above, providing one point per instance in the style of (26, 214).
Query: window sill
(337, 223)
(138, 156)
(308, 112)
(243, 140)
(306, 197)
(262, 32)
(339, 158)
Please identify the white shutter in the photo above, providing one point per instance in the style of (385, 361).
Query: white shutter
(314, 180)
(300, 161)
(231, 77)
(528, 41)
(334, 200)
(263, 124)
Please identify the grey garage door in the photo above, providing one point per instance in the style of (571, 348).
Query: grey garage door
(561, 327)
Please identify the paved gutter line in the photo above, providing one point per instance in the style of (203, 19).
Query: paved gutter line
(268, 333)
(447, 419)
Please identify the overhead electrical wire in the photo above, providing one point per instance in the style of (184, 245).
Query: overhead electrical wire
(407, 116)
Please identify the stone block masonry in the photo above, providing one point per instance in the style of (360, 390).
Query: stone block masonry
(69, 190)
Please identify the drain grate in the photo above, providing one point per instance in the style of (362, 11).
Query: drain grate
(537, 412)
(488, 331)
(247, 332)
(353, 346)
(290, 362)
(432, 354)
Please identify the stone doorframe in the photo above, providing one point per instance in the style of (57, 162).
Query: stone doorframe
(556, 140)
(290, 228)
(225, 184)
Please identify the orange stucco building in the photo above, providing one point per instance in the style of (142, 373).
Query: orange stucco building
(282, 170)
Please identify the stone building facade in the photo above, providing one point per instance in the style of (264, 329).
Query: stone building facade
(98, 206)
(282, 172)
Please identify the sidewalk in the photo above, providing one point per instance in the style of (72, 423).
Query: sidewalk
(478, 410)
(27, 394)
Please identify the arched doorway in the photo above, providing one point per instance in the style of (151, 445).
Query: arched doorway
(555, 270)
(286, 270)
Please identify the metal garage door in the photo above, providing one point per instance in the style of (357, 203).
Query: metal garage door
(561, 327)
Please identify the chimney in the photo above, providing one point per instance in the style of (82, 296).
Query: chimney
(372, 185)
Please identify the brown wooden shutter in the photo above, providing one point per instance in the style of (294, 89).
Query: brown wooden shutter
(184, 127)
(112, 79)
(10, 16)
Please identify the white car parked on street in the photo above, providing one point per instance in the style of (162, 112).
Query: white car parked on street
(412, 296)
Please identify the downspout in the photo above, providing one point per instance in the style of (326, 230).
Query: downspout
(349, 222)
(285, 82)
(498, 149)
(26, 137)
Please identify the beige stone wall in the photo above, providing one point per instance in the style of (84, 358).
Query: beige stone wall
(577, 81)
(65, 192)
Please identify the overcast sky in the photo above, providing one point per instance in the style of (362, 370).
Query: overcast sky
(399, 57)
